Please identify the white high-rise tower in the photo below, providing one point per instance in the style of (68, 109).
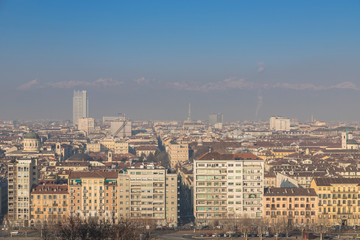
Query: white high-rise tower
(189, 113)
(80, 106)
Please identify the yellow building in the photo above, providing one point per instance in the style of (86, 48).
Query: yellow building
(178, 153)
(290, 206)
(116, 146)
(339, 200)
(49, 204)
(281, 153)
(93, 194)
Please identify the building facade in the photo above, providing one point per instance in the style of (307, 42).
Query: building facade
(279, 124)
(152, 195)
(339, 200)
(228, 186)
(178, 153)
(87, 125)
(148, 194)
(93, 194)
(49, 204)
(290, 206)
(23, 175)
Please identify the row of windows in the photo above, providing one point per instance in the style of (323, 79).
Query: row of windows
(285, 199)
(44, 196)
(290, 213)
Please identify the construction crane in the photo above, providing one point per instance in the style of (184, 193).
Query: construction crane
(120, 128)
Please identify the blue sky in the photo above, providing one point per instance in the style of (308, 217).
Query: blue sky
(247, 59)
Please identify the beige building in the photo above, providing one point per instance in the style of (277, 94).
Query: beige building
(178, 153)
(145, 150)
(86, 125)
(339, 200)
(228, 186)
(22, 176)
(290, 206)
(109, 144)
(149, 194)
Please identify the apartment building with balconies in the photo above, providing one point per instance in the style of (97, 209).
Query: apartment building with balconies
(22, 176)
(228, 186)
(149, 194)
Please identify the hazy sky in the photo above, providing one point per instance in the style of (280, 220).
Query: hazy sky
(149, 59)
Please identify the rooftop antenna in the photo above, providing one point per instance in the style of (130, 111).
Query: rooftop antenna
(189, 113)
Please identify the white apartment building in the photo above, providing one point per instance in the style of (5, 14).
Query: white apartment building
(279, 124)
(87, 125)
(22, 176)
(228, 186)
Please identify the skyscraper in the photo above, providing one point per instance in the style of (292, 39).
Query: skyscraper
(80, 106)
(216, 118)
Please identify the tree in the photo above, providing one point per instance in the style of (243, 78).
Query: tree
(75, 228)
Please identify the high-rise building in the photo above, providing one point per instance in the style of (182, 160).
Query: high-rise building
(279, 124)
(23, 175)
(149, 194)
(216, 118)
(3, 197)
(80, 106)
(228, 187)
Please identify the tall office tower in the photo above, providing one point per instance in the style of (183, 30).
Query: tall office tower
(22, 176)
(216, 118)
(228, 187)
(279, 124)
(80, 106)
(189, 113)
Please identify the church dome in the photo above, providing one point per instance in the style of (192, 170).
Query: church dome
(31, 135)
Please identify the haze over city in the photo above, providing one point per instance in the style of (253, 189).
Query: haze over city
(173, 119)
(248, 60)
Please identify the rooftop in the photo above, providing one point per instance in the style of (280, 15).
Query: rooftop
(290, 192)
(330, 181)
(221, 156)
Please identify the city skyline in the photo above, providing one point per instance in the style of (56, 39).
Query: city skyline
(247, 60)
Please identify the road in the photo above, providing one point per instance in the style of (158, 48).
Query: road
(174, 235)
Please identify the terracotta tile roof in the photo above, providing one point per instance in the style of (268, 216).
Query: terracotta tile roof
(220, 156)
(94, 174)
(330, 181)
(146, 148)
(50, 189)
(290, 192)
